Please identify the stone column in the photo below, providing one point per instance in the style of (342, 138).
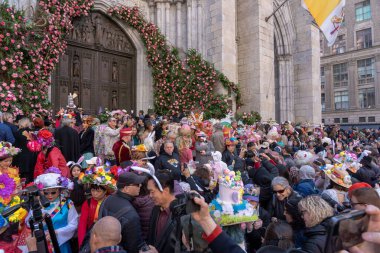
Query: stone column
(307, 67)
(167, 21)
(200, 26)
(189, 24)
(178, 25)
(286, 93)
(159, 16)
(352, 85)
(152, 16)
(256, 57)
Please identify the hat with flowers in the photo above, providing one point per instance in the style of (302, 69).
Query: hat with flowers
(7, 150)
(45, 138)
(101, 176)
(52, 178)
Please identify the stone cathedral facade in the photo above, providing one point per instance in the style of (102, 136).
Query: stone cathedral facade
(275, 62)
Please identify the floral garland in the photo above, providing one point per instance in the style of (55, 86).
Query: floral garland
(29, 51)
(180, 85)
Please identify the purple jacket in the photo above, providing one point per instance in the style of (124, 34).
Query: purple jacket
(144, 206)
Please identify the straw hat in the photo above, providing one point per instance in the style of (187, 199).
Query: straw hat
(338, 174)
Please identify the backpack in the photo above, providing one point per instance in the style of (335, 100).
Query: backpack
(99, 145)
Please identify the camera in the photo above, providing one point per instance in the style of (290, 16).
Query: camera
(184, 204)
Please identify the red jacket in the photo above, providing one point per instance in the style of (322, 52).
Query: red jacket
(86, 219)
(53, 159)
(122, 152)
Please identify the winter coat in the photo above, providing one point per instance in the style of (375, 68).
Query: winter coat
(53, 158)
(204, 146)
(166, 243)
(67, 140)
(273, 170)
(254, 238)
(315, 239)
(131, 239)
(87, 141)
(217, 140)
(224, 244)
(26, 159)
(367, 174)
(144, 206)
(6, 133)
(229, 157)
(169, 162)
(262, 178)
(306, 187)
(278, 207)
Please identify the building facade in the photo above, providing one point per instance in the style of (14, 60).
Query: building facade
(276, 62)
(350, 69)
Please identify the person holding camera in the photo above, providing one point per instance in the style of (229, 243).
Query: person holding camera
(162, 223)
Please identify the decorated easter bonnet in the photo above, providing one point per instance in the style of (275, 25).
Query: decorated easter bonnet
(101, 176)
(302, 157)
(349, 159)
(45, 138)
(52, 178)
(229, 208)
(231, 141)
(338, 174)
(7, 150)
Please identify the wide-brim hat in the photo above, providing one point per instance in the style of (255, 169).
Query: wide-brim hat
(53, 180)
(338, 174)
(7, 150)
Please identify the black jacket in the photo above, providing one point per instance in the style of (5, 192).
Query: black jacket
(254, 238)
(169, 162)
(262, 178)
(131, 239)
(278, 207)
(367, 174)
(165, 244)
(67, 140)
(26, 159)
(315, 239)
(224, 244)
(273, 170)
(87, 141)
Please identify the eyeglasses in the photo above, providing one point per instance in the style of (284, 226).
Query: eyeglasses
(49, 193)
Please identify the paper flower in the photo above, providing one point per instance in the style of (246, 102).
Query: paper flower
(53, 170)
(7, 186)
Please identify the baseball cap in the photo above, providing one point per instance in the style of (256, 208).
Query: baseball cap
(129, 178)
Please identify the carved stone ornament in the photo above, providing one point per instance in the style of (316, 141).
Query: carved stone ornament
(98, 30)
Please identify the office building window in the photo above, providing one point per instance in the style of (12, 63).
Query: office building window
(323, 121)
(337, 120)
(362, 119)
(364, 38)
(367, 98)
(371, 119)
(339, 46)
(363, 11)
(323, 101)
(341, 100)
(366, 71)
(344, 120)
(323, 78)
(340, 75)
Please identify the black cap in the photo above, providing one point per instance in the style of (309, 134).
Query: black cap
(129, 178)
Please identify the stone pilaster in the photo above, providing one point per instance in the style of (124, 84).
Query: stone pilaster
(256, 57)
(286, 88)
(306, 67)
(352, 84)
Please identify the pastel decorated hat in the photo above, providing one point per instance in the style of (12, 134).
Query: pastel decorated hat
(338, 174)
(7, 150)
(52, 178)
(45, 138)
(302, 157)
(231, 141)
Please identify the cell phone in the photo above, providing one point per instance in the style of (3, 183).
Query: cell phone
(345, 230)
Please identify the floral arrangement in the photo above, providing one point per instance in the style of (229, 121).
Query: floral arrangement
(180, 85)
(7, 187)
(100, 175)
(45, 138)
(30, 49)
(7, 150)
(20, 214)
(249, 118)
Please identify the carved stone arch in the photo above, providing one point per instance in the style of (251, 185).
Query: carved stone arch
(284, 37)
(144, 81)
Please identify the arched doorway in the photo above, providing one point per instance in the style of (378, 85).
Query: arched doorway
(99, 65)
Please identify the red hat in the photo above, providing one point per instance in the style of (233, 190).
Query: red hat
(125, 132)
(357, 186)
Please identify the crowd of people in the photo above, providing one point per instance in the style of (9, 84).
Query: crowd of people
(119, 185)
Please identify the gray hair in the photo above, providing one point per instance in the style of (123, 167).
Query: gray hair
(7, 116)
(168, 142)
(171, 134)
(24, 123)
(280, 181)
(66, 122)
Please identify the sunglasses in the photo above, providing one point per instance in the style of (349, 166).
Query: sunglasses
(49, 193)
(280, 191)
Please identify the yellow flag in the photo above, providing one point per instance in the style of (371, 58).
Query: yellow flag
(328, 14)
